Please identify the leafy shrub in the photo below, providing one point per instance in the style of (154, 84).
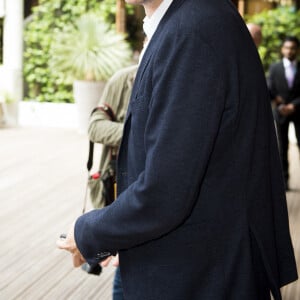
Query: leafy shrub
(42, 83)
(276, 25)
(89, 50)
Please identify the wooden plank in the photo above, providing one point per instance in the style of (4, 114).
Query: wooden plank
(42, 182)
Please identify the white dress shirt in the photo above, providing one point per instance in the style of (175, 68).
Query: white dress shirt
(151, 23)
(290, 70)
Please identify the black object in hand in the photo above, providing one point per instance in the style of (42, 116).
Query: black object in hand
(94, 270)
(63, 236)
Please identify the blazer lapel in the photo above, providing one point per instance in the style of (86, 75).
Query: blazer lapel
(137, 80)
(297, 76)
(283, 79)
(150, 51)
(152, 44)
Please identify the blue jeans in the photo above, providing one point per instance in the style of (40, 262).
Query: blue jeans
(117, 286)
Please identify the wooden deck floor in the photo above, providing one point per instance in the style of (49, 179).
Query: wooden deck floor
(42, 181)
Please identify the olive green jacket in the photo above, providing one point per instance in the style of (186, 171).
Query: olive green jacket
(102, 130)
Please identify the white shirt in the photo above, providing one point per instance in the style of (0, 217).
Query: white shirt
(290, 70)
(151, 23)
(287, 63)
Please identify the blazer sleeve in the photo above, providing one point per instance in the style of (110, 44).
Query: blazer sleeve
(185, 112)
(296, 102)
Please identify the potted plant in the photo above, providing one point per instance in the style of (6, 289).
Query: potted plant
(88, 53)
(8, 109)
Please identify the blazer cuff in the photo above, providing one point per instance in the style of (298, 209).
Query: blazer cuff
(86, 243)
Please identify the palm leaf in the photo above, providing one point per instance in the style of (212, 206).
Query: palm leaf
(90, 50)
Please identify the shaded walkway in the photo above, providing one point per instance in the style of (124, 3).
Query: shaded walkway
(42, 180)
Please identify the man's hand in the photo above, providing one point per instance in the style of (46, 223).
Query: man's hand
(290, 108)
(286, 109)
(69, 244)
(115, 261)
(278, 100)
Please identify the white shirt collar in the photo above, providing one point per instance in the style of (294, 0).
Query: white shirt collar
(287, 62)
(150, 24)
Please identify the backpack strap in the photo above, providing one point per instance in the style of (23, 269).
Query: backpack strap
(109, 112)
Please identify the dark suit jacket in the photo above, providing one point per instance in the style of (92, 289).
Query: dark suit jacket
(201, 205)
(279, 87)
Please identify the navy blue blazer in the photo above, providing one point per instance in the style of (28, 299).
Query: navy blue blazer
(201, 209)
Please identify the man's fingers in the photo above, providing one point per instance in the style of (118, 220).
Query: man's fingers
(67, 242)
(116, 261)
(106, 262)
(61, 244)
(78, 260)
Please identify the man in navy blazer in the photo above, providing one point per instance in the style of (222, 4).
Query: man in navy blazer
(286, 93)
(201, 211)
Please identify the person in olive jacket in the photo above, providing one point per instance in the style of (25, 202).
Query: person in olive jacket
(102, 129)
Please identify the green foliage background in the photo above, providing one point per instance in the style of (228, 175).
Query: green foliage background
(276, 25)
(89, 51)
(42, 83)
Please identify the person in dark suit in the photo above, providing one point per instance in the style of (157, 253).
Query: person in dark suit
(284, 85)
(201, 209)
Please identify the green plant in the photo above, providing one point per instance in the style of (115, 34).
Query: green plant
(108, 10)
(41, 82)
(6, 97)
(276, 25)
(90, 50)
